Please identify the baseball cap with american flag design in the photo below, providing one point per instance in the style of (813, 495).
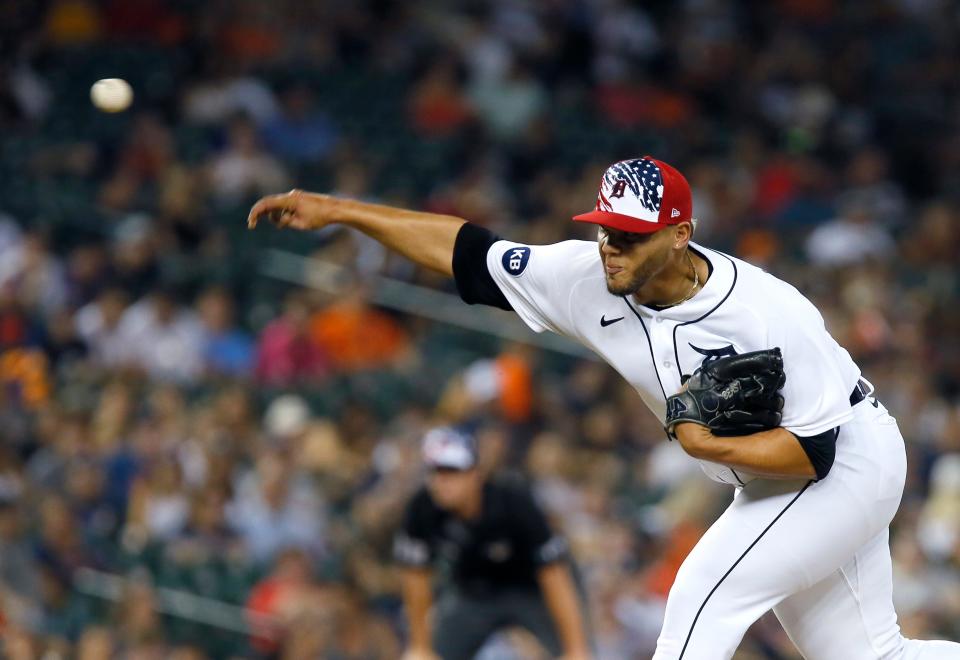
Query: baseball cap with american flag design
(641, 195)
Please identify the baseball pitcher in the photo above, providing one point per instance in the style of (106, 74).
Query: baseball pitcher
(747, 379)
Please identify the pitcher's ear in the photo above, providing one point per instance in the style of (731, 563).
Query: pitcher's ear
(682, 233)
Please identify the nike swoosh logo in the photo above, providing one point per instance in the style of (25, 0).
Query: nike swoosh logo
(604, 322)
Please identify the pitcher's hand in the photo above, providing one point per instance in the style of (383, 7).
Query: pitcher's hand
(297, 209)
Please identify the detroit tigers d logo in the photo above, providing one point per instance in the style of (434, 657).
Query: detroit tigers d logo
(619, 187)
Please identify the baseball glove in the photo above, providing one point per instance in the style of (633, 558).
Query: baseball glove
(735, 395)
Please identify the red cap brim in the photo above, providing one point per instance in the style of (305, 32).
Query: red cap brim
(620, 221)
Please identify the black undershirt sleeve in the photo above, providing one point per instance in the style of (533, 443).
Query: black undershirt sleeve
(474, 282)
(821, 449)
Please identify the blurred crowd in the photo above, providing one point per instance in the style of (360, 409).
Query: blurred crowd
(198, 460)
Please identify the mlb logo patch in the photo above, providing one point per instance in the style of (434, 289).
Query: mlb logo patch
(515, 260)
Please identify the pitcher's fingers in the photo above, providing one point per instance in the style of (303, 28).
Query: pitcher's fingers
(263, 205)
(269, 204)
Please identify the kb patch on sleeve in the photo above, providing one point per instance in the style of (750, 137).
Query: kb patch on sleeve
(515, 260)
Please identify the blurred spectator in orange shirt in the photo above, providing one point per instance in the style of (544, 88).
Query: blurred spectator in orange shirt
(273, 600)
(502, 385)
(73, 22)
(356, 336)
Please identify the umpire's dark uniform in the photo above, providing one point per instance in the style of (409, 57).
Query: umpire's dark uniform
(491, 562)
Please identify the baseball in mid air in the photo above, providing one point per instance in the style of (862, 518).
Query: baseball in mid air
(111, 94)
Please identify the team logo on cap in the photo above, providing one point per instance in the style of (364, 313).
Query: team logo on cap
(642, 177)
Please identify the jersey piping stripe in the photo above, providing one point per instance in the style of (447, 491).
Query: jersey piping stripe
(653, 359)
(739, 559)
(737, 477)
(676, 353)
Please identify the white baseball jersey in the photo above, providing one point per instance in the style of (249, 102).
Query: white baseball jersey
(741, 308)
(815, 552)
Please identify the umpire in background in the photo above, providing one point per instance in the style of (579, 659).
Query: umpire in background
(506, 567)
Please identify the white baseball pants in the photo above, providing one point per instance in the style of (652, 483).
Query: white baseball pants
(816, 553)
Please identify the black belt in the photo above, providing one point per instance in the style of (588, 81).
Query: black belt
(860, 392)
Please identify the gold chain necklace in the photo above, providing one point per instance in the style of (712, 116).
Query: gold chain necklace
(693, 289)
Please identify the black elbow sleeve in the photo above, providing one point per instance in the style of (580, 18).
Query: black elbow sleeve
(470, 272)
(821, 449)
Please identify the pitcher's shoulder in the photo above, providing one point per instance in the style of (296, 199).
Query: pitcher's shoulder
(755, 283)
